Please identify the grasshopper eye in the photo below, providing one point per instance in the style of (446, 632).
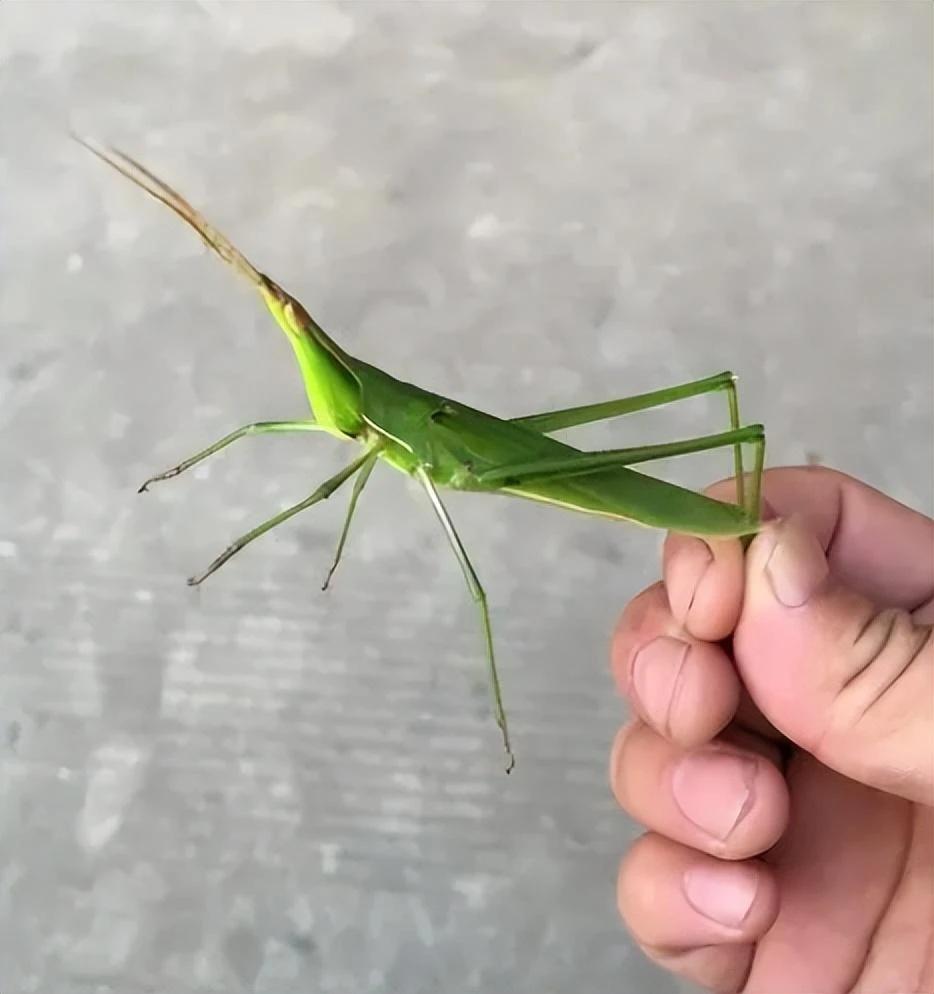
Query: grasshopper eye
(299, 319)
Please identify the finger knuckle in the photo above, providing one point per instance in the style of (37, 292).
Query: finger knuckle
(884, 649)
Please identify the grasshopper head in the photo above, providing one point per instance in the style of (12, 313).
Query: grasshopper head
(283, 307)
(332, 387)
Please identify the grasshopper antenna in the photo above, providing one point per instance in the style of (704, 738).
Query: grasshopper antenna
(154, 186)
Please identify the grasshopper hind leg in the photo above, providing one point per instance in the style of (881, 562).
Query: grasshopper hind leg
(570, 417)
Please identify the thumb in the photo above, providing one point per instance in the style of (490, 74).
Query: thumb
(847, 680)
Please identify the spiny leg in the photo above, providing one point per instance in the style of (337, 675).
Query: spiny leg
(257, 428)
(550, 421)
(582, 463)
(479, 595)
(358, 484)
(322, 493)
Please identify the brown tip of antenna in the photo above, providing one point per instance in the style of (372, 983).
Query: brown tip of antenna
(155, 187)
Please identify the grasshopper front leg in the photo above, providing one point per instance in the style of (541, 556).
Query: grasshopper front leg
(256, 428)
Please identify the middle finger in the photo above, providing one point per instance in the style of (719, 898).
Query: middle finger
(721, 798)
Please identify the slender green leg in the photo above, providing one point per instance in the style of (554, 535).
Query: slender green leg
(478, 594)
(358, 484)
(570, 417)
(322, 493)
(549, 421)
(582, 463)
(755, 489)
(257, 428)
(738, 470)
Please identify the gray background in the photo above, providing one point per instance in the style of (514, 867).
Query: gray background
(262, 788)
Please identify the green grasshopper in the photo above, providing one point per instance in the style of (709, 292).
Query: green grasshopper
(445, 444)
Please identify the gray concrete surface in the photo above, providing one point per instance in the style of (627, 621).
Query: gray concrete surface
(263, 788)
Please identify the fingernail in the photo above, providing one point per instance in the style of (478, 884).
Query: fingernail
(796, 566)
(685, 573)
(656, 678)
(714, 790)
(723, 892)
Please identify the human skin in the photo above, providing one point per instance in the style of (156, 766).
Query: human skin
(782, 750)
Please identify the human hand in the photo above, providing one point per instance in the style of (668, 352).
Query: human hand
(783, 754)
